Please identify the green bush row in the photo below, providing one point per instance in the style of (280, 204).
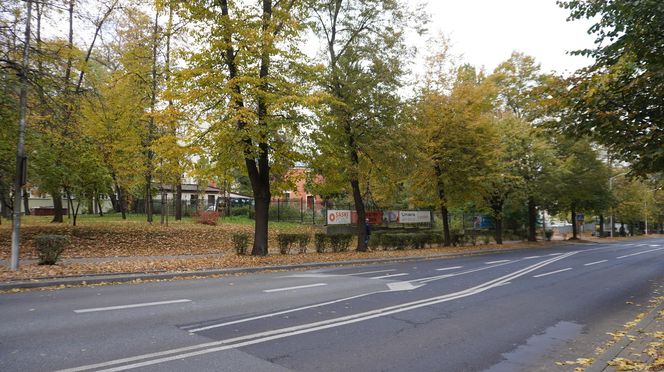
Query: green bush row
(240, 242)
(288, 241)
(337, 242)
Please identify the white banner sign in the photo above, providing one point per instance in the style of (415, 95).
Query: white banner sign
(414, 216)
(338, 217)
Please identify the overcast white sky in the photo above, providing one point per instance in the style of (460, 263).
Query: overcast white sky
(486, 32)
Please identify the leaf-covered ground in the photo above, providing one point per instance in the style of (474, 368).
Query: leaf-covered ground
(131, 247)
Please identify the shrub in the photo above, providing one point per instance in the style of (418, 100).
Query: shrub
(284, 242)
(548, 234)
(49, 248)
(472, 238)
(207, 217)
(376, 240)
(302, 242)
(341, 242)
(240, 242)
(245, 210)
(486, 239)
(321, 241)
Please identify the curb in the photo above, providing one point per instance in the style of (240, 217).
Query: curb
(128, 277)
(602, 362)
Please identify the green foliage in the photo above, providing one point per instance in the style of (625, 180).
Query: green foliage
(618, 99)
(49, 248)
(321, 242)
(340, 242)
(288, 241)
(240, 242)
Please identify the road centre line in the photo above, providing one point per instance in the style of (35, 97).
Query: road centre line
(122, 307)
(594, 263)
(638, 253)
(555, 254)
(449, 268)
(552, 272)
(232, 343)
(531, 257)
(495, 262)
(296, 287)
(388, 276)
(654, 245)
(372, 272)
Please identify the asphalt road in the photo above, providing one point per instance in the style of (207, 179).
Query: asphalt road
(514, 311)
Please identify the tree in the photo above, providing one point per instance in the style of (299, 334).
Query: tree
(618, 99)
(366, 58)
(582, 179)
(258, 95)
(455, 134)
(519, 81)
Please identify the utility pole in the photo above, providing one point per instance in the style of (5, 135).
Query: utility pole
(21, 160)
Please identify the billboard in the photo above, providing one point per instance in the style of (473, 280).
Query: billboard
(338, 216)
(414, 216)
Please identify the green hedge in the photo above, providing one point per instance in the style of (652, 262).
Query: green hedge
(336, 242)
(288, 241)
(240, 242)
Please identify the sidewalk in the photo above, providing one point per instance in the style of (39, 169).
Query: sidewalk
(641, 348)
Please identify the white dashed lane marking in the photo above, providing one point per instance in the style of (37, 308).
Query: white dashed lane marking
(296, 287)
(449, 268)
(552, 272)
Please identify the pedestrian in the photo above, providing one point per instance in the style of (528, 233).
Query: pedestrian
(367, 228)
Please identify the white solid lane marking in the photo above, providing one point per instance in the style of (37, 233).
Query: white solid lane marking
(296, 287)
(121, 307)
(552, 272)
(531, 257)
(654, 245)
(388, 276)
(555, 254)
(642, 252)
(237, 342)
(372, 272)
(594, 263)
(241, 341)
(449, 268)
(495, 262)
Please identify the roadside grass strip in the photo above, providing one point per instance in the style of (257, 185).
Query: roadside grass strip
(237, 342)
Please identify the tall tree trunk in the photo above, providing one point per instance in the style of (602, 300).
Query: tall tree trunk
(442, 199)
(499, 230)
(446, 226)
(178, 201)
(574, 232)
(58, 213)
(601, 225)
(361, 216)
(26, 201)
(532, 220)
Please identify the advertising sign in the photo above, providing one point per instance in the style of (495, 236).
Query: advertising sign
(338, 217)
(414, 216)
